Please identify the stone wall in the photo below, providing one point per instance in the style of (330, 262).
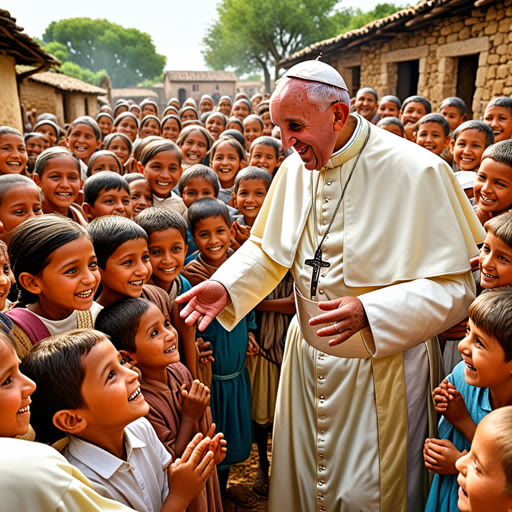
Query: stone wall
(10, 113)
(212, 88)
(485, 31)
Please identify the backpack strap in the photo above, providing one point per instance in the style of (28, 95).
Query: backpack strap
(27, 330)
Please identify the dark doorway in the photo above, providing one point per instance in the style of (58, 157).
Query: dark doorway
(408, 74)
(466, 78)
(182, 96)
(356, 81)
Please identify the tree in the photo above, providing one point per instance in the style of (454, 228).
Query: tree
(254, 35)
(127, 54)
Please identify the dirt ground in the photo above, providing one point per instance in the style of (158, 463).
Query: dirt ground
(244, 474)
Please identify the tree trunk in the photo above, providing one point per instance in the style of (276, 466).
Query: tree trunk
(266, 75)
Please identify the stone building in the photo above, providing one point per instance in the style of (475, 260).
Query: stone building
(20, 57)
(62, 95)
(193, 84)
(438, 48)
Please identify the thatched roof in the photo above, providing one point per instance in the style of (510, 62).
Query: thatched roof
(66, 83)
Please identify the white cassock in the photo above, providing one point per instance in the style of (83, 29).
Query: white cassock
(349, 431)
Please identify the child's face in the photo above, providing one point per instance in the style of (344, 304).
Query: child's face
(366, 105)
(141, 196)
(252, 130)
(500, 120)
(128, 126)
(188, 115)
(484, 358)
(151, 127)
(110, 202)
(249, 198)
(60, 183)
(388, 109)
(19, 204)
(493, 187)
(206, 106)
(148, 110)
(13, 154)
(5, 279)
(481, 476)
(156, 343)
(110, 390)
(163, 172)
(215, 126)
(120, 149)
(431, 136)
(225, 107)
(47, 129)
(453, 116)
(241, 110)
(234, 126)
(82, 141)
(15, 390)
(267, 123)
(105, 125)
(393, 128)
(194, 148)
(127, 270)
(167, 251)
(264, 157)
(105, 163)
(413, 112)
(171, 130)
(68, 281)
(467, 150)
(36, 145)
(495, 263)
(212, 237)
(197, 188)
(226, 164)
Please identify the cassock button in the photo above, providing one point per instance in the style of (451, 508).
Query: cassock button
(322, 417)
(322, 397)
(326, 200)
(329, 182)
(321, 482)
(321, 377)
(322, 432)
(321, 292)
(324, 222)
(322, 509)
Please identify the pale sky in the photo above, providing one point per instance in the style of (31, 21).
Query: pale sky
(176, 27)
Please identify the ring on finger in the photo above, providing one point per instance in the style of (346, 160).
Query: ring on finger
(338, 327)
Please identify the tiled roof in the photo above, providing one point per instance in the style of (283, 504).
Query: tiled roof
(408, 19)
(133, 92)
(66, 83)
(201, 76)
(26, 51)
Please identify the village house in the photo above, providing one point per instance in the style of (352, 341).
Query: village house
(20, 57)
(193, 84)
(438, 48)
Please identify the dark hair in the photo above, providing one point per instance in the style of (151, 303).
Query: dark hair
(491, 312)
(111, 136)
(133, 176)
(185, 109)
(33, 242)
(206, 208)
(233, 134)
(89, 121)
(147, 101)
(32, 135)
(146, 120)
(252, 173)
(170, 117)
(391, 99)
(109, 232)
(103, 152)
(500, 152)
(140, 144)
(158, 146)
(254, 117)
(417, 99)
(104, 114)
(119, 104)
(453, 101)
(51, 153)
(172, 109)
(233, 143)
(199, 171)
(56, 366)
(243, 100)
(476, 125)
(216, 113)
(8, 181)
(502, 101)
(262, 107)
(48, 122)
(391, 120)
(436, 118)
(501, 227)
(120, 322)
(152, 220)
(236, 121)
(194, 128)
(120, 117)
(265, 140)
(103, 180)
(8, 130)
(369, 90)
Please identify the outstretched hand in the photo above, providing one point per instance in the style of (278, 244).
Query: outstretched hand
(206, 301)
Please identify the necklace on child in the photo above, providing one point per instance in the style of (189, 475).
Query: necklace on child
(316, 262)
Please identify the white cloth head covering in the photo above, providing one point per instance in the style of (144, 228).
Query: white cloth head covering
(317, 71)
(466, 178)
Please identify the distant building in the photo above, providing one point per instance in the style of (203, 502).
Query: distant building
(193, 84)
(250, 87)
(20, 57)
(438, 48)
(62, 95)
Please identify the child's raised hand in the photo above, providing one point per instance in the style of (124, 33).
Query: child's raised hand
(204, 351)
(440, 456)
(195, 401)
(217, 444)
(241, 232)
(441, 396)
(252, 346)
(188, 475)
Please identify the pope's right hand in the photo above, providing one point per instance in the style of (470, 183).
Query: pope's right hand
(206, 301)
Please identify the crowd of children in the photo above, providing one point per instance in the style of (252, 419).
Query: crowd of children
(106, 221)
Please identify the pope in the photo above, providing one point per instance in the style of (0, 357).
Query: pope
(378, 236)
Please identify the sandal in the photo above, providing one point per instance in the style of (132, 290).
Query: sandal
(242, 496)
(261, 485)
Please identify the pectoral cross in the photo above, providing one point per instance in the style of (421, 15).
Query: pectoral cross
(317, 264)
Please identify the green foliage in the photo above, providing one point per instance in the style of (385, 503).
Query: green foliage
(151, 82)
(127, 54)
(58, 50)
(350, 19)
(86, 75)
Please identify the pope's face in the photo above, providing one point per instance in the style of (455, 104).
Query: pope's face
(303, 126)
